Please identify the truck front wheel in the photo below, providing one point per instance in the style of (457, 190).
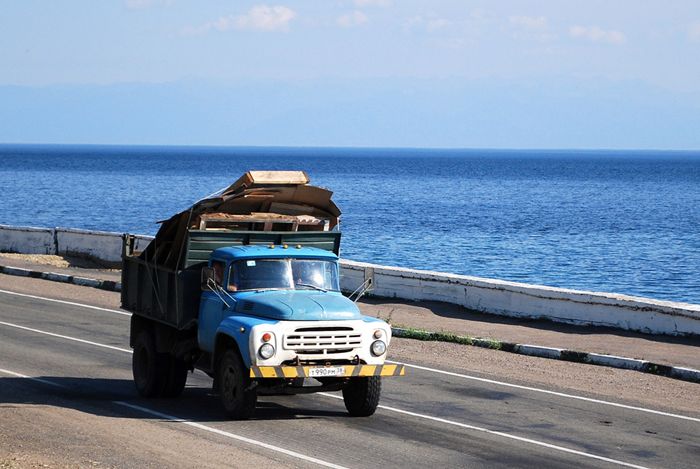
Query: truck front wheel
(234, 387)
(361, 396)
(148, 366)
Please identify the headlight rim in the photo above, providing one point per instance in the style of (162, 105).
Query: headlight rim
(266, 346)
(383, 348)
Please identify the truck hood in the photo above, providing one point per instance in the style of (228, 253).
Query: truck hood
(297, 305)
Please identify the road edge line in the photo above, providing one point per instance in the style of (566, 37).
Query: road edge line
(502, 434)
(589, 358)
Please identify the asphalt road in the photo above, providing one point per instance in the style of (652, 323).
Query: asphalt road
(67, 399)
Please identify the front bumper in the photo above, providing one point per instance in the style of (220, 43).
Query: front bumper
(318, 341)
(350, 371)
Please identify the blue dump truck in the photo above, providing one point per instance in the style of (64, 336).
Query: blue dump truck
(245, 286)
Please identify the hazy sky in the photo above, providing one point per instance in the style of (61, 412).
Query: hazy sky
(500, 74)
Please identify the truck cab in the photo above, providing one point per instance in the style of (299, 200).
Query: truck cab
(279, 310)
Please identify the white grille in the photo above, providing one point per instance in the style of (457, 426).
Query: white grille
(324, 341)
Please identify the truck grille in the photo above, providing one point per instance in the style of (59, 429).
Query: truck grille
(322, 340)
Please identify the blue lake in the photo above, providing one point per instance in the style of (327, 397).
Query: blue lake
(626, 222)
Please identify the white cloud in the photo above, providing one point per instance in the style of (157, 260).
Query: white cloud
(354, 18)
(265, 18)
(429, 24)
(258, 18)
(694, 31)
(528, 22)
(530, 28)
(596, 34)
(372, 3)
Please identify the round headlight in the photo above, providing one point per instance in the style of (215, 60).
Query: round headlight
(378, 348)
(266, 351)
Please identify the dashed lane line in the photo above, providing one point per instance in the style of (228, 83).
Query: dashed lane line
(233, 436)
(190, 423)
(71, 303)
(38, 380)
(74, 339)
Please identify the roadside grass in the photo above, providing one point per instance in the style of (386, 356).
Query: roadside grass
(419, 334)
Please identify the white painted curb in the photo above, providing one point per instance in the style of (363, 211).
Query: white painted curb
(617, 362)
(588, 358)
(538, 351)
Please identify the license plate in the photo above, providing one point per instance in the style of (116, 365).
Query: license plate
(327, 371)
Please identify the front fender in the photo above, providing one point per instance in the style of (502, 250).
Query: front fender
(239, 328)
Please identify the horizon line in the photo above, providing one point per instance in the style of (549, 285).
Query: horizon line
(346, 147)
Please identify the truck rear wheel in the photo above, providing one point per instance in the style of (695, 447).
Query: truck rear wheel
(361, 396)
(176, 377)
(234, 387)
(147, 366)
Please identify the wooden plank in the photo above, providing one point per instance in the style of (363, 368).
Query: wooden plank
(266, 178)
(210, 221)
(278, 177)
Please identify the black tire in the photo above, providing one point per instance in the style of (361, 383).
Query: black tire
(176, 377)
(148, 366)
(234, 387)
(361, 396)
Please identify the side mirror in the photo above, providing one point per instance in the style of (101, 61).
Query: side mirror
(207, 278)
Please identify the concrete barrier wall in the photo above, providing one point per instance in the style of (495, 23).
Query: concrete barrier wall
(480, 294)
(102, 246)
(27, 240)
(527, 301)
(99, 245)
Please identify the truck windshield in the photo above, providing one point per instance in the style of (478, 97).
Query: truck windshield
(300, 274)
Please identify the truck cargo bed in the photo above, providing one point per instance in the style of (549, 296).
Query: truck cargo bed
(172, 296)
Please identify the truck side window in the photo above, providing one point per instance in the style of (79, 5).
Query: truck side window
(232, 279)
(218, 267)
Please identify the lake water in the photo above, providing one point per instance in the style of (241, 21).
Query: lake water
(626, 222)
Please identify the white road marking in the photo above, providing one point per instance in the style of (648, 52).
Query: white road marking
(39, 380)
(392, 409)
(74, 339)
(193, 424)
(53, 300)
(546, 391)
(230, 435)
(502, 434)
(432, 370)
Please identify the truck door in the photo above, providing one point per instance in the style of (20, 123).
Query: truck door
(212, 309)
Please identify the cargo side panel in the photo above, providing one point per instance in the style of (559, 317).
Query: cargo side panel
(161, 294)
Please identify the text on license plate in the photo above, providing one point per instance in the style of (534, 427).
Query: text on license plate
(327, 371)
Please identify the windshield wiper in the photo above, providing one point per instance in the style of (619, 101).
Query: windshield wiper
(315, 287)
